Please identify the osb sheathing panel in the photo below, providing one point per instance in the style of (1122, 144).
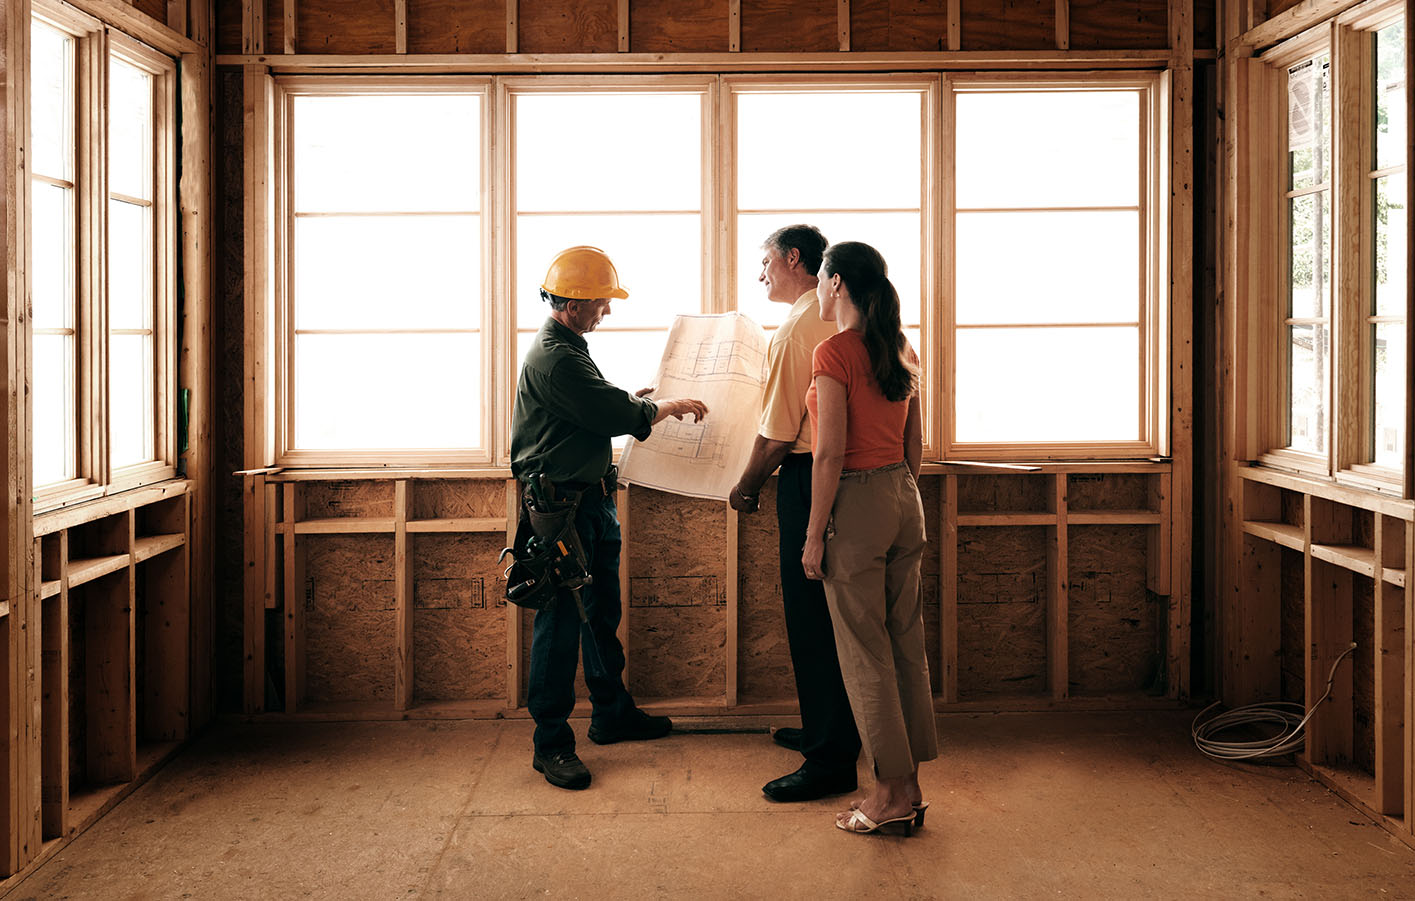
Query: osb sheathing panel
(1205, 24)
(458, 499)
(339, 26)
(1293, 638)
(1113, 623)
(1112, 491)
(157, 9)
(1363, 673)
(1012, 494)
(456, 26)
(1119, 24)
(677, 615)
(349, 617)
(884, 25)
(678, 26)
(459, 617)
(1007, 24)
(789, 26)
(275, 26)
(228, 27)
(765, 671)
(567, 26)
(351, 498)
(1001, 611)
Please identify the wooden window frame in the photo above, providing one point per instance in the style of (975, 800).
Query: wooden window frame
(95, 43)
(281, 339)
(1347, 38)
(1153, 413)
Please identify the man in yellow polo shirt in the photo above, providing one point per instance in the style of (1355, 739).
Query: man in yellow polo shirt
(827, 737)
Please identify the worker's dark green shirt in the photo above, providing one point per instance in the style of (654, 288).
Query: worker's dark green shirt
(566, 412)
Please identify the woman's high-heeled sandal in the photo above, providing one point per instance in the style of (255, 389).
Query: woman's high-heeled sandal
(860, 824)
(919, 814)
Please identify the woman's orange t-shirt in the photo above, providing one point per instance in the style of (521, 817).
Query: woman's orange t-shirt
(874, 426)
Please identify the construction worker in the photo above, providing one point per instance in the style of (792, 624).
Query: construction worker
(827, 738)
(564, 417)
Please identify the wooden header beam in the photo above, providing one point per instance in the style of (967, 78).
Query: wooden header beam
(620, 63)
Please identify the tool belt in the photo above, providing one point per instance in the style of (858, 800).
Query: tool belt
(547, 555)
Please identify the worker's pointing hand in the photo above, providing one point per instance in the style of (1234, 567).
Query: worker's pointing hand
(690, 407)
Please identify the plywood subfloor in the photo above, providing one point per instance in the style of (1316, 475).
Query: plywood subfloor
(1024, 805)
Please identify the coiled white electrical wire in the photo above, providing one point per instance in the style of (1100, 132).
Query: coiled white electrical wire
(1289, 716)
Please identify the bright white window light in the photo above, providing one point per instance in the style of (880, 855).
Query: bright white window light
(54, 397)
(386, 272)
(1049, 296)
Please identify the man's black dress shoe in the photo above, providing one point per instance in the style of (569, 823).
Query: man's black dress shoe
(638, 726)
(809, 783)
(788, 737)
(562, 769)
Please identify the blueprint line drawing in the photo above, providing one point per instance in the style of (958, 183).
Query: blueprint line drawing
(720, 360)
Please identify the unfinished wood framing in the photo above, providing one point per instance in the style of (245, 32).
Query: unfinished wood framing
(1063, 25)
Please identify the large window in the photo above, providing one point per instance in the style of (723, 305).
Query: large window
(385, 283)
(102, 279)
(1339, 314)
(1020, 221)
(1056, 309)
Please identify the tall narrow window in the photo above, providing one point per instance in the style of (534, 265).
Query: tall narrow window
(1308, 318)
(132, 252)
(53, 280)
(622, 172)
(1387, 311)
(802, 157)
(385, 249)
(1053, 311)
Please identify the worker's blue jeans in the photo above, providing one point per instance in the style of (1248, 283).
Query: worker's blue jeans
(558, 635)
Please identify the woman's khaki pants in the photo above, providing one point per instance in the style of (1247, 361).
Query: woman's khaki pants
(872, 557)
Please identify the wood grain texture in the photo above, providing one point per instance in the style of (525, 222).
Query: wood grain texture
(457, 499)
(765, 671)
(155, 8)
(1002, 626)
(679, 26)
(228, 27)
(1008, 24)
(1119, 24)
(335, 499)
(456, 26)
(894, 25)
(677, 621)
(459, 626)
(275, 25)
(1116, 639)
(789, 26)
(332, 26)
(568, 26)
(350, 617)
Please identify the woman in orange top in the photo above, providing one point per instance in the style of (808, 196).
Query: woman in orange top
(866, 533)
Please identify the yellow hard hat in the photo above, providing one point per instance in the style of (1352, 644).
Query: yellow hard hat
(583, 273)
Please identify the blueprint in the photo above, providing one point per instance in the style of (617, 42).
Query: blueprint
(721, 361)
